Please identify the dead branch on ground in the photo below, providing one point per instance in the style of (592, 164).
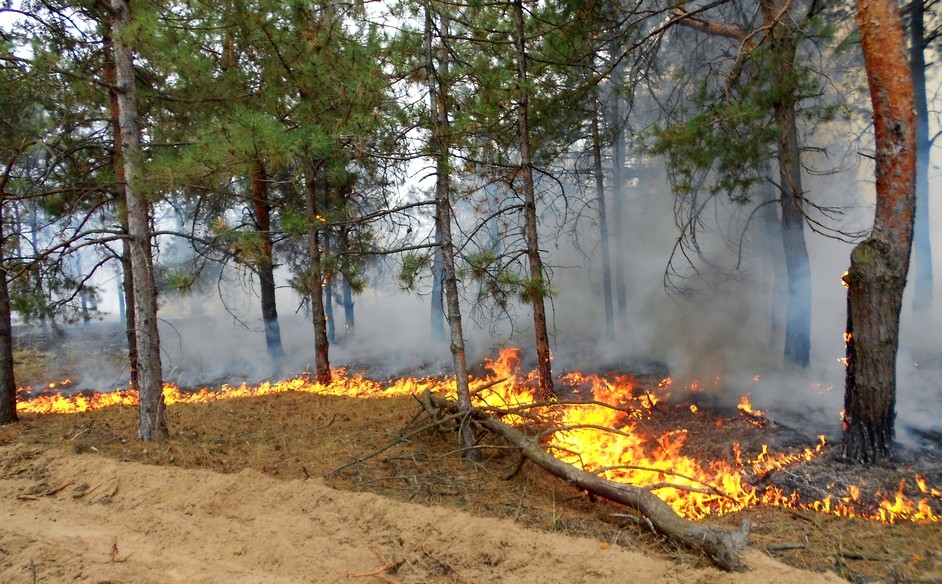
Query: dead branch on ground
(723, 546)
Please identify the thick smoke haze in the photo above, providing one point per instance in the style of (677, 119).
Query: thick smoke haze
(719, 336)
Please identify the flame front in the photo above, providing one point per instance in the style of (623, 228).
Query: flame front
(603, 434)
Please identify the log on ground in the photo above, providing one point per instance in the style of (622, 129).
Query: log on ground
(724, 547)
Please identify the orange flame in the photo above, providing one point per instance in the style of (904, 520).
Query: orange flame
(602, 434)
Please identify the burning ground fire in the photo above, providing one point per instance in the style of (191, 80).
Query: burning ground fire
(603, 433)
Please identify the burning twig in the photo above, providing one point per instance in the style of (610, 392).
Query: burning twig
(487, 385)
(521, 409)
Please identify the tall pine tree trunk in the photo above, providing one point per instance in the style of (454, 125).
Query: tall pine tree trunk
(537, 286)
(797, 263)
(922, 258)
(440, 147)
(879, 265)
(153, 422)
(618, 195)
(265, 268)
(127, 291)
(319, 318)
(7, 379)
(603, 223)
(773, 260)
(117, 163)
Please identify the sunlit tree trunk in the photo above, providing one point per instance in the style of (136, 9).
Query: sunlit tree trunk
(537, 286)
(153, 422)
(265, 267)
(319, 318)
(440, 147)
(922, 257)
(879, 265)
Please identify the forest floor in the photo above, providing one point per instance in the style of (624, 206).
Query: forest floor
(243, 491)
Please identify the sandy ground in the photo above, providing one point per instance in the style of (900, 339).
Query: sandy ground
(85, 518)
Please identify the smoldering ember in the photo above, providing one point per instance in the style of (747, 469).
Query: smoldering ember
(504, 291)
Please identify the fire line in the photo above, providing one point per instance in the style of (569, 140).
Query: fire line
(594, 435)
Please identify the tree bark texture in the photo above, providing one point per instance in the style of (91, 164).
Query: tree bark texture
(153, 422)
(879, 265)
(265, 267)
(449, 278)
(121, 208)
(723, 546)
(321, 344)
(922, 253)
(537, 284)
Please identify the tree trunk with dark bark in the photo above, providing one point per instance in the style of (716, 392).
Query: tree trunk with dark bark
(879, 265)
(265, 268)
(130, 331)
(153, 422)
(7, 379)
(321, 343)
(537, 285)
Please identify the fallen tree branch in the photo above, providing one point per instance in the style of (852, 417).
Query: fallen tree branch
(723, 546)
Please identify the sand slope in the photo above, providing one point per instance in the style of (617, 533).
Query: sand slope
(86, 518)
